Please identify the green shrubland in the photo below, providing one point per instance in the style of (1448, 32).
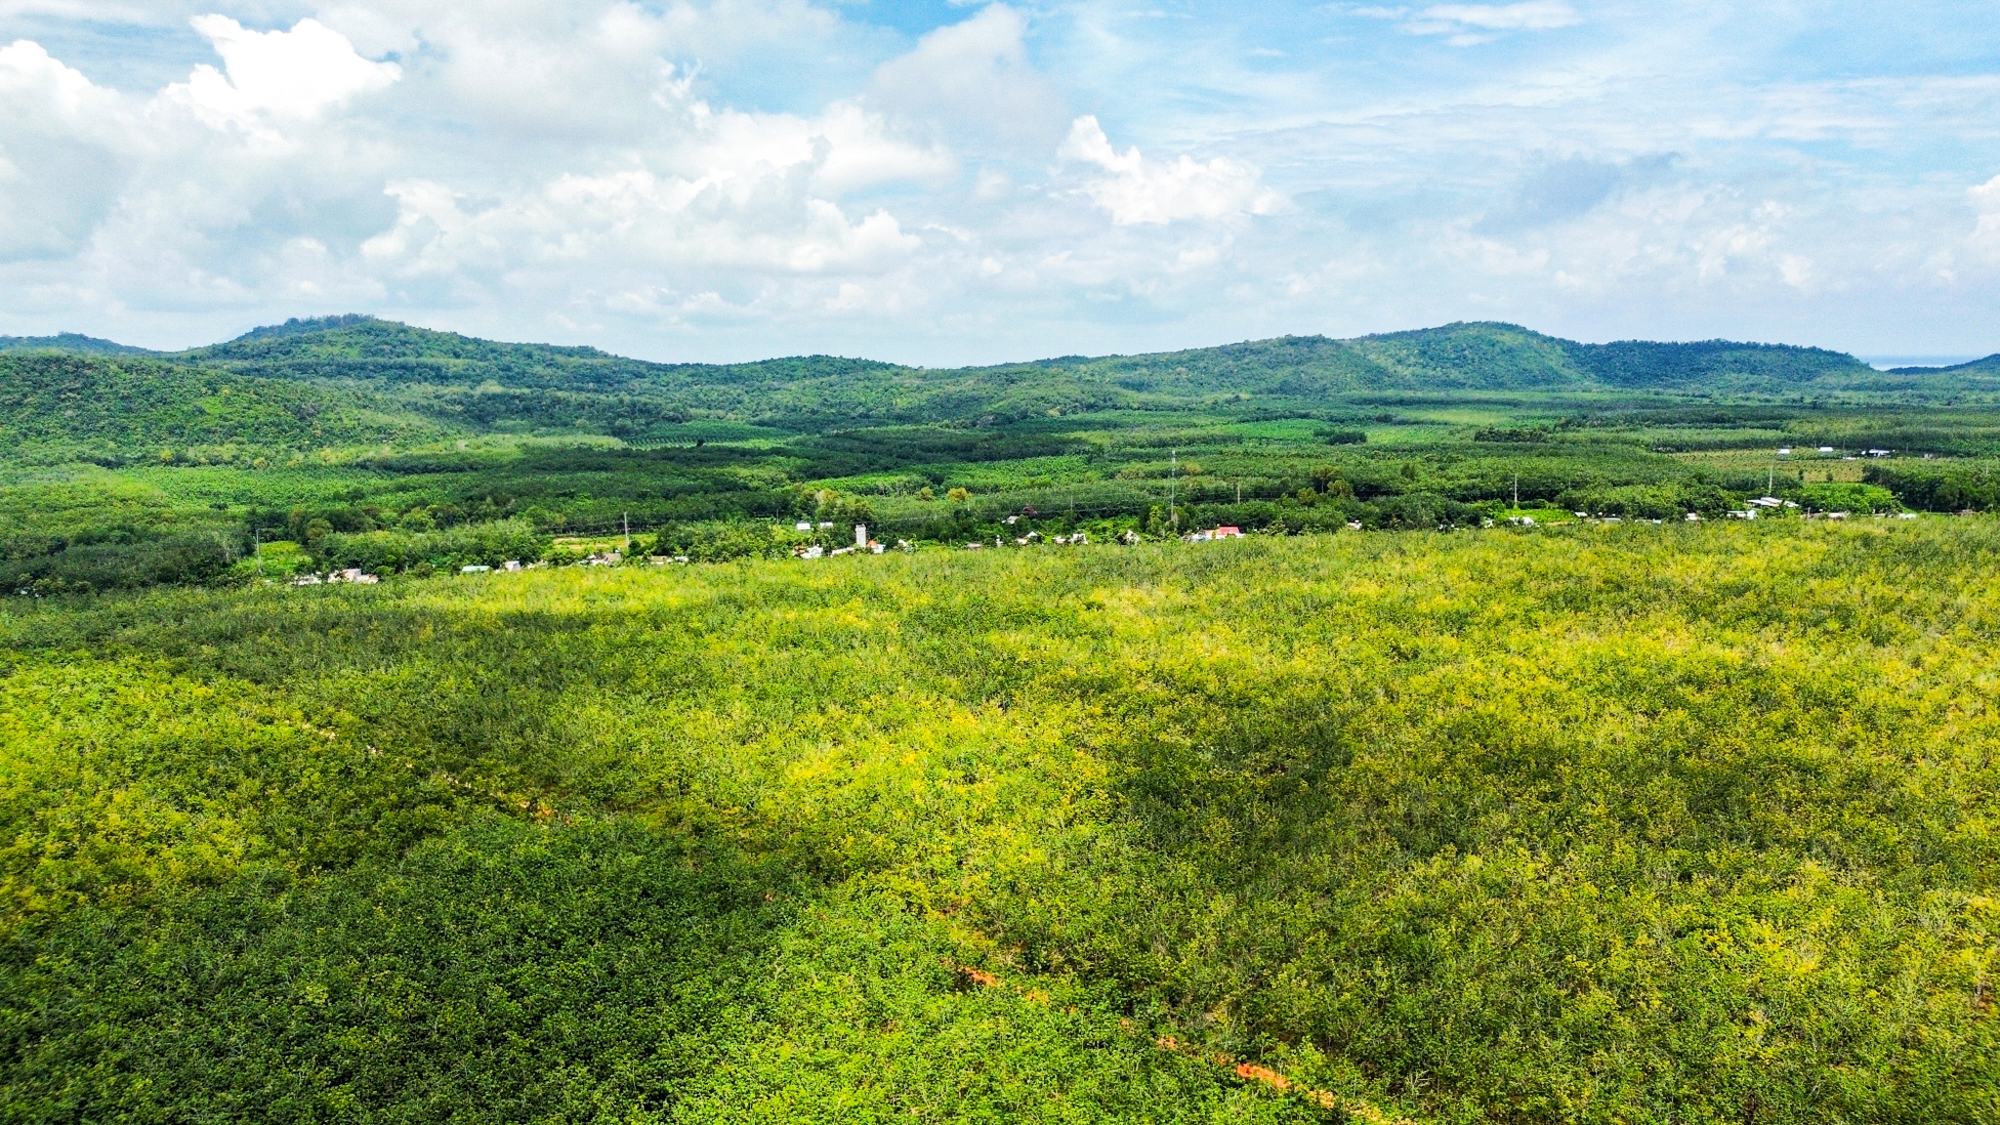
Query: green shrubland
(1640, 824)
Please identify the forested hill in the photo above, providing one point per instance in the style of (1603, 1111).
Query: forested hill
(476, 385)
(1478, 356)
(67, 342)
(365, 349)
(1467, 356)
(480, 382)
(116, 409)
(1988, 368)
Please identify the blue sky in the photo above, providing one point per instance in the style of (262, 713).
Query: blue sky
(945, 183)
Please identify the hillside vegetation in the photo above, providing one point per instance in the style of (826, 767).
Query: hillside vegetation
(483, 381)
(57, 406)
(1597, 825)
(67, 342)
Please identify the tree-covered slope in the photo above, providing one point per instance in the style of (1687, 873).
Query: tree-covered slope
(68, 342)
(484, 382)
(1980, 372)
(1477, 356)
(70, 405)
(1716, 366)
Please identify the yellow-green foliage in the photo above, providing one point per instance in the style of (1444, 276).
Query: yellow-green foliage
(1687, 823)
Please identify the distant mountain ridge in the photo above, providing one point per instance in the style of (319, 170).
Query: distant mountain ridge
(469, 384)
(1465, 355)
(68, 342)
(1989, 366)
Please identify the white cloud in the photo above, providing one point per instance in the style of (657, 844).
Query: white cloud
(973, 74)
(39, 90)
(1468, 24)
(1532, 15)
(1139, 191)
(59, 161)
(844, 149)
(286, 75)
(1986, 197)
(636, 219)
(738, 177)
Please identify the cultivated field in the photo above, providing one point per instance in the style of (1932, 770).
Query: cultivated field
(1644, 824)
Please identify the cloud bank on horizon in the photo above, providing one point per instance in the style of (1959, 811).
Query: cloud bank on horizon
(944, 182)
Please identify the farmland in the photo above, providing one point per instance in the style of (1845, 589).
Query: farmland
(1401, 808)
(1592, 823)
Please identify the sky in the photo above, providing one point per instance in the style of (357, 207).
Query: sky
(935, 182)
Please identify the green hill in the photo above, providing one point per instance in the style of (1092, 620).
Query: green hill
(483, 383)
(65, 406)
(1472, 356)
(1987, 369)
(68, 342)
(351, 380)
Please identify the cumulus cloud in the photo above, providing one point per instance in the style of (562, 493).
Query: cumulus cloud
(636, 219)
(282, 75)
(845, 149)
(1986, 197)
(1139, 191)
(59, 158)
(737, 177)
(973, 75)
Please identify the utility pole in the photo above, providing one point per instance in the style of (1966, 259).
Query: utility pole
(626, 518)
(1239, 490)
(1517, 492)
(1173, 479)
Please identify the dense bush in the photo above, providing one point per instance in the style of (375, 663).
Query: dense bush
(1836, 496)
(172, 555)
(1940, 488)
(387, 552)
(718, 541)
